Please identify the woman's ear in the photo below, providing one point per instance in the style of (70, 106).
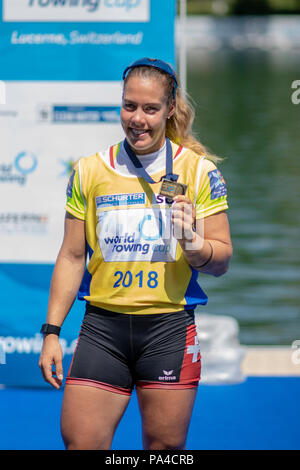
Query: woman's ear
(171, 110)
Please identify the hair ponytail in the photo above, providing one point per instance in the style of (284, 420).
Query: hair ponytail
(179, 128)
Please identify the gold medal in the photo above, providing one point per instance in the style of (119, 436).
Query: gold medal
(170, 189)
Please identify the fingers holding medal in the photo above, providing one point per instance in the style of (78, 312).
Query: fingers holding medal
(183, 218)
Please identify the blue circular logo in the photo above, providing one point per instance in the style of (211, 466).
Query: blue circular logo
(25, 163)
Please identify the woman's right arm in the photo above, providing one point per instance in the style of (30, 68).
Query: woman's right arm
(66, 279)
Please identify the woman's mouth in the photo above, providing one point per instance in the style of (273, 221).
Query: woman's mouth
(137, 133)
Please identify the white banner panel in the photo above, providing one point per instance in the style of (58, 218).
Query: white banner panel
(33, 176)
(76, 10)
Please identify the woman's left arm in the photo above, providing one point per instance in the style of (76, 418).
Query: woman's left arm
(207, 249)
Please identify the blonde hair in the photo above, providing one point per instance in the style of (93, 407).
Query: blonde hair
(179, 125)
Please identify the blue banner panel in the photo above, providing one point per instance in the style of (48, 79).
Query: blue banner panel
(23, 309)
(39, 40)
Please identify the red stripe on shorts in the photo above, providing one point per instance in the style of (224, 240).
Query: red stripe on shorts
(167, 386)
(191, 366)
(96, 384)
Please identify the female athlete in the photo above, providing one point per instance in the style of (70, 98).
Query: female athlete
(150, 214)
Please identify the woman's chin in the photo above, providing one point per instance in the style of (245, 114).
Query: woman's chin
(140, 145)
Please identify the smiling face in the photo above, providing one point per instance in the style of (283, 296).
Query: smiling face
(144, 113)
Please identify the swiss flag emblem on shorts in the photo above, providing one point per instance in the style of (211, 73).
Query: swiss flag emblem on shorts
(191, 367)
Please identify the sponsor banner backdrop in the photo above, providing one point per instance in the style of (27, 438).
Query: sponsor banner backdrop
(60, 76)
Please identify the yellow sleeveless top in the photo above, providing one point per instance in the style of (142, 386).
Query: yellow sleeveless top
(135, 263)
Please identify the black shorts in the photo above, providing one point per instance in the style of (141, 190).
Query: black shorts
(117, 351)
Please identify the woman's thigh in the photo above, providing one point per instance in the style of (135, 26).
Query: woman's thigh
(90, 416)
(166, 416)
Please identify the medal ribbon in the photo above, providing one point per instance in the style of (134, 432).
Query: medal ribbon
(141, 170)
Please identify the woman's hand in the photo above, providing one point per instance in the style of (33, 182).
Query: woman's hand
(51, 354)
(205, 242)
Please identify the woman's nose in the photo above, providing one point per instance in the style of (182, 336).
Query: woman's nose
(138, 117)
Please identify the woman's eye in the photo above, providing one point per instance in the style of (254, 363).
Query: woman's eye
(151, 109)
(128, 106)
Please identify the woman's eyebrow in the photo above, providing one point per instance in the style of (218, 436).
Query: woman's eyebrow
(145, 104)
